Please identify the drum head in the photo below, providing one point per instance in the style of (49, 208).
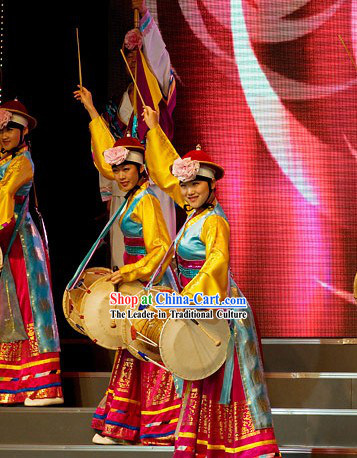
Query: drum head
(186, 350)
(97, 322)
(72, 300)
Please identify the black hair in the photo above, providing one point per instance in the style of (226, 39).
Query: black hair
(141, 174)
(128, 51)
(202, 178)
(15, 125)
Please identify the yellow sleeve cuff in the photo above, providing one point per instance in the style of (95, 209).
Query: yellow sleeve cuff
(159, 156)
(102, 140)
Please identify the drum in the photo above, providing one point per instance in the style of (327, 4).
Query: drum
(189, 350)
(141, 335)
(72, 300)
(96, 319)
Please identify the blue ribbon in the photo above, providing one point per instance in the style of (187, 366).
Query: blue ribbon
(94, 247)
(228, 373)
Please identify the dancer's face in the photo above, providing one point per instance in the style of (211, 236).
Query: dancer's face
(131, 59)
(127, 176)
(196, 192)
(10, 137)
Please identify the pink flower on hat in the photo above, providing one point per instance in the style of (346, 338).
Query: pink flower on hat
(116, 155)
(133, 39)
(5, 117)
(185, 169)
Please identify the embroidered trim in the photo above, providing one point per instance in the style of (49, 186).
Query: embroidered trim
(188, 273)
(134, 250)
(147, 23)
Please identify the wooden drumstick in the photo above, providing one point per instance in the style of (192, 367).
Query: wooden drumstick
(133, 78)
(116, 288)
(136, 18)
(79, 60)
(217, 342)
(348, 52)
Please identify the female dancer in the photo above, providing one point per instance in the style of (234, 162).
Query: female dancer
(141, 401)
(120, 116)
(29, 344)
(228, 413)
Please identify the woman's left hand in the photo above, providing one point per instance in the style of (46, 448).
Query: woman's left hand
(151, 117)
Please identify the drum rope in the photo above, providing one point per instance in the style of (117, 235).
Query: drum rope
(146, 357)
(147, 340)
(94, 247)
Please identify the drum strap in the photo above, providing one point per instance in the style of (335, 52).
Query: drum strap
(168, 253)
(95, 246)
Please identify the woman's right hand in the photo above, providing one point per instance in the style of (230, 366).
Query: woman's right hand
(151, 117)
(116, 278)
(85, 97)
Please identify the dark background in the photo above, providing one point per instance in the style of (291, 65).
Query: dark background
(41, 69)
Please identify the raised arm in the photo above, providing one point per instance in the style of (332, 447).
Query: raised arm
(102, 139)
(159, 156)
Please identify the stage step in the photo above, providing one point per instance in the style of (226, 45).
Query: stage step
(316, 427)
(310, 355)
(46, 425)
(71, 426)
(84, 389)
(286, 389)
(280, 355)
(83, 451)
(313, 390)
(93, 451)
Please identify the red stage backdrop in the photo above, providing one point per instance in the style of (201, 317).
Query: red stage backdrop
(267, 89)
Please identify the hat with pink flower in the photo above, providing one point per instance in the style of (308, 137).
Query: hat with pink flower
(126, 149)
(16, 112)
(196, 164)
